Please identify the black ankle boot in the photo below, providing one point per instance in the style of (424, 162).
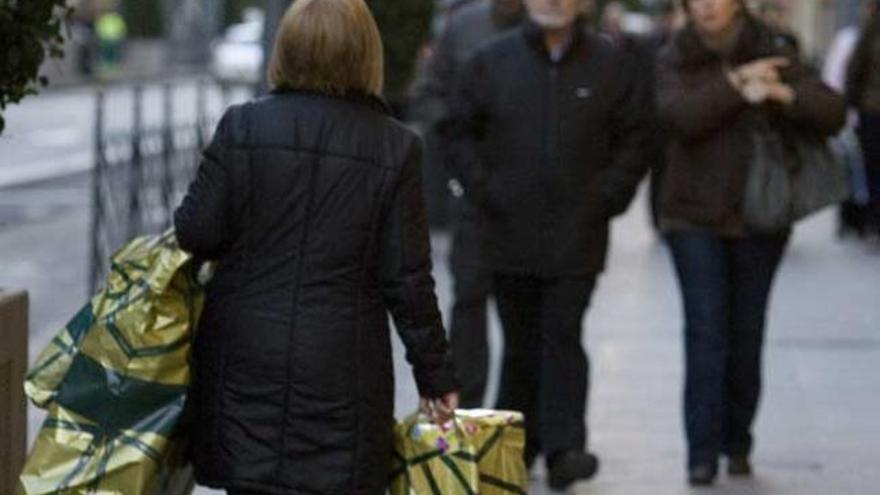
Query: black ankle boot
(702, 474)
(739, 465)
(565, 468)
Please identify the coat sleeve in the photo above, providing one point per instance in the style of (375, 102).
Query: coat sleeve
(463, 130)
(203, 218)
(408, 287)
(816, 106)
(695, 112)
(630, 124)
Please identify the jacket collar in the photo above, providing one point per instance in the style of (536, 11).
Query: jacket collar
(534, 36)
(375, 102)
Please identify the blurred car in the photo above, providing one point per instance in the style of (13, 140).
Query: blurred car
(238, 56)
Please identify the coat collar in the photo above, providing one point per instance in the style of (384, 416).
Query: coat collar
(375, 102)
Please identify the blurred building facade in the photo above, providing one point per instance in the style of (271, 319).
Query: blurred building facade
(186, 28)
(816, 21)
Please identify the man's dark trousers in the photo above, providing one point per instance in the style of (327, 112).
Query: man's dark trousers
(545, 369)
(472, 284)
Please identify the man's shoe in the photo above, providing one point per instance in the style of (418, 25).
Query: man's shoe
(739, 466)
(569, 467)
(702, 475)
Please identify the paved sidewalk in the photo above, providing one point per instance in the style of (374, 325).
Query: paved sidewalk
(818, 432)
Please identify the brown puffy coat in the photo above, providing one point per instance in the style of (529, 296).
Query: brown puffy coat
(711, 124)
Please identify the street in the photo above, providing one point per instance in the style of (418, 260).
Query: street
(817, 432)
(53, 134)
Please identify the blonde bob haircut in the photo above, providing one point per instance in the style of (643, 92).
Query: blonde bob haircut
(328, 46)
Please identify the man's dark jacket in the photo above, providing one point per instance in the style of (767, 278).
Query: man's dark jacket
(312, 207)
(549, 150)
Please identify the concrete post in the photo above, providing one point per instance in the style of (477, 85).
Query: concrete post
(13, 405)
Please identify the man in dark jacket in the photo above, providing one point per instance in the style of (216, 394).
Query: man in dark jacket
(547, 135)
(468, 28)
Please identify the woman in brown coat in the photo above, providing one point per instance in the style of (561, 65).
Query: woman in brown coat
(721, 76)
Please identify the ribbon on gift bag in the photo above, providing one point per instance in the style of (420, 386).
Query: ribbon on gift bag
(500, 439)
(479, 452)
(431, 459)
(114, 381)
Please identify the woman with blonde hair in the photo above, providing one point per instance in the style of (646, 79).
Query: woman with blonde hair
(310, 202)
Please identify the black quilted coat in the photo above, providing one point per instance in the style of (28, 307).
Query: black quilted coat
(312, 207)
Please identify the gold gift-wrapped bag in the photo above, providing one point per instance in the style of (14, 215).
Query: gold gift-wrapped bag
(114, 382)
(481, 452)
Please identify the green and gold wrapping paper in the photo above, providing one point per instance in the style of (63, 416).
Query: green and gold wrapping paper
(481, 453)
(114, 381)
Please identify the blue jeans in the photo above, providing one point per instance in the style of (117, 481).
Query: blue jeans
(725, 284)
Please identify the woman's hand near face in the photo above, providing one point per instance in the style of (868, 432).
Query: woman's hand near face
(759, 81)
(764, 70)
(781, 93)
(760, 92)
(755, 92)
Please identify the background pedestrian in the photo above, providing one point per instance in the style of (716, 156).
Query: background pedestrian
(853, 216)
(863, 93)
(548, 131)
(467, 29)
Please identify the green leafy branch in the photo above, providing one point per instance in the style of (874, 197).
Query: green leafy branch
(30, 31)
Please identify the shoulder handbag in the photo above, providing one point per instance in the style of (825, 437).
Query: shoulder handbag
(820, 180)
(791, 176)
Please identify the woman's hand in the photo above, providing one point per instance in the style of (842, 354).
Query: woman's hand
(440, 410)
(762, 70)
(760, 82)
(781, 93)
(755, 93)
(760, 92)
